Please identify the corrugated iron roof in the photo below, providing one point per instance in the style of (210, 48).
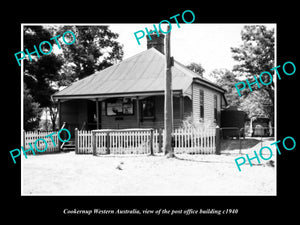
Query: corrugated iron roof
(144, 72)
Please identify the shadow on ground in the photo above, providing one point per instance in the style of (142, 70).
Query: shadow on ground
(201, 160)
(228, 144)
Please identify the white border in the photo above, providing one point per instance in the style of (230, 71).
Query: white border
(22, 107)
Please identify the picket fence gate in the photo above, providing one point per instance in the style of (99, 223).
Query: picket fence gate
(32, 137)
(125, 141)
(145, 141)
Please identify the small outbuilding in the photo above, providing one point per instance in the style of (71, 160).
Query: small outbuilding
(259, 126)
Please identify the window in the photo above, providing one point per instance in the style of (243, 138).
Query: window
(148, 108)
(215, 107)
(119, 106)
(127, 107)
(201, 104)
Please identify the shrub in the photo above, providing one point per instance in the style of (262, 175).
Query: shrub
(189, 122)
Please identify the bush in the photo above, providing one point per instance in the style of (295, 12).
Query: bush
(189, 123)
(32, 111)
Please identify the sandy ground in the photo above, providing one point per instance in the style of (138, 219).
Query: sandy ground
(70, 174)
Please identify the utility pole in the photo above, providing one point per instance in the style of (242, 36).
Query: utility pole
(168, 120)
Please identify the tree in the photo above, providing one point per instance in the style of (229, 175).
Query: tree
(40, 73)
(95, 49)
(40, 77)
(32, 111)
(197, 68)
(255, 56)
(226, 79)
(257, 104)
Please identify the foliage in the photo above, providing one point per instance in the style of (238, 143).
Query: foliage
(95, 49)
(226, 79)
(197, 68)
(257, 104)
(39, 74)
(257, 52)
(255, 56)
(189, 123)
(42, 71)
(32, 111)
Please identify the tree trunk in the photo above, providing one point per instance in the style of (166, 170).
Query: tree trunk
(53, 115)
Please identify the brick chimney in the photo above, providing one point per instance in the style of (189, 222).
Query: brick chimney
(156, 42)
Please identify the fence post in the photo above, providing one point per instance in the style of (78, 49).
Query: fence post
(94, 142)
(58, 144)
(159, 140)
(107, 143)
(151, 142)
(76, 140)
(218, 141)
(240, 152)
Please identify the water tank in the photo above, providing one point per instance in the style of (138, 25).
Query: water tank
(232, 118)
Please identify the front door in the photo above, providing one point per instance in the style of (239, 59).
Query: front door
(94, 115)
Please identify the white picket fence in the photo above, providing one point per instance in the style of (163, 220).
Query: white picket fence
(195, 141)
(32, 136)
(83, 144)
(141, 141)
(125, 141)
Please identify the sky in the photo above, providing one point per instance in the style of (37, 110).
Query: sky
(207, 44)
